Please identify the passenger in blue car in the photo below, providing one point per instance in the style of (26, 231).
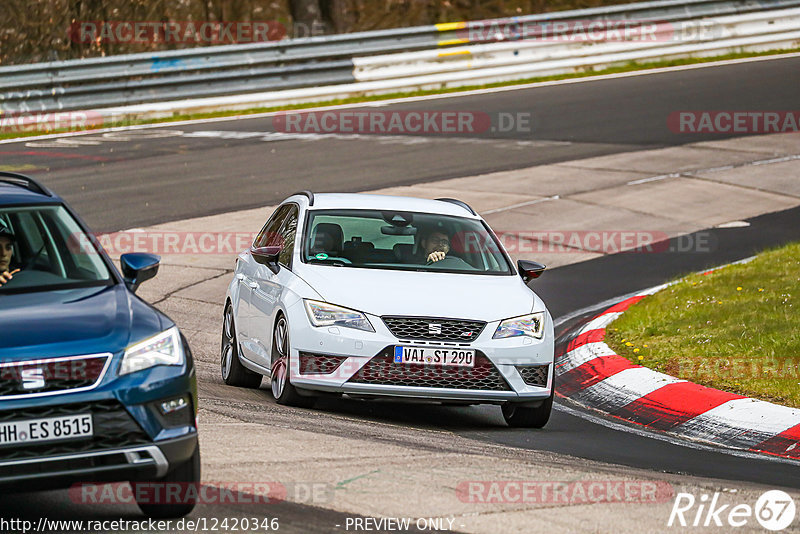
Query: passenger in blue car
(6, 252)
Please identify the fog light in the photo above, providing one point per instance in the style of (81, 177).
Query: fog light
(173, 405)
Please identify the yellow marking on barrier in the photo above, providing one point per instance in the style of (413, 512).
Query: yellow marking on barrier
(450, 42)
(455, 53)
(450, 26)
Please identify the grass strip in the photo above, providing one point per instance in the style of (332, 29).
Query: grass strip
(735, 329)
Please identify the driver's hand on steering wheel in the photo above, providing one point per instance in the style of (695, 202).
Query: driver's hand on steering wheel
(7, 276)
(436, 255)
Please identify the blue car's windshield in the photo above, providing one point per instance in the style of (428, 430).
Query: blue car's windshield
(43, 248)
(402, 241)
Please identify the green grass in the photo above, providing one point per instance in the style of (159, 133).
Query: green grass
(736, 329)
(630, 67)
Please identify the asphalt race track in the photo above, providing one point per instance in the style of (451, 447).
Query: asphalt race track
(139, 180)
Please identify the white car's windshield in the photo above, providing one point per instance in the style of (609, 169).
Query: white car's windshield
(402, 241)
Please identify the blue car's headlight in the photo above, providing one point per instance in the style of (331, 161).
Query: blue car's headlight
(162, 349)
(527, 325)
(324, 314)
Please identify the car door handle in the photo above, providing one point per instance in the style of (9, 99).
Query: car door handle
(253, 285)
(240, 277)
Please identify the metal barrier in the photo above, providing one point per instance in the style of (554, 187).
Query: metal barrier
(240, 76)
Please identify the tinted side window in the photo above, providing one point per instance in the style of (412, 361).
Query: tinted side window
(270, 234)
(288, 232)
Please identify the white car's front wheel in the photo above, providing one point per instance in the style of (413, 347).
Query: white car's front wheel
(282, 388)
(518, 416)
(233, 372)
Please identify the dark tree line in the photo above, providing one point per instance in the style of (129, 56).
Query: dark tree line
(44, 30)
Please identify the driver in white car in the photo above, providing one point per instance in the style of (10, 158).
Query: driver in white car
(434, 246)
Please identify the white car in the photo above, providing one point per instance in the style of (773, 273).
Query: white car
(375, 296)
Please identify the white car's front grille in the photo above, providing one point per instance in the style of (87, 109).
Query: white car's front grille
(434, 329)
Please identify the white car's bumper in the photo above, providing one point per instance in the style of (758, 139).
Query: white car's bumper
(359, 363)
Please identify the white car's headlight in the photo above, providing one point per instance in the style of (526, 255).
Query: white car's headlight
(162, 349)
(527, 325)
(324, 314)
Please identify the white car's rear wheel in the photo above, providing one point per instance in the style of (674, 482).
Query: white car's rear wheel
(233, 372)
(282, 388)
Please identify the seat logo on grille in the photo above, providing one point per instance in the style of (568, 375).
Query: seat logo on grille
(32, 378)
(434, 328)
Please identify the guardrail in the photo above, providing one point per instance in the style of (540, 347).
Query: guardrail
(443, 55)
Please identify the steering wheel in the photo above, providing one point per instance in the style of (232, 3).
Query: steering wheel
(452, 262)
(33, 259)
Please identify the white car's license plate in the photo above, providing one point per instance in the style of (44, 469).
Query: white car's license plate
(49, 429)
(434, 356)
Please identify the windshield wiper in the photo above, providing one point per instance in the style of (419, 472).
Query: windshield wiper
(328, 261)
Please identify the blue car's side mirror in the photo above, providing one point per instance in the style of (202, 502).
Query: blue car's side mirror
(138, 267)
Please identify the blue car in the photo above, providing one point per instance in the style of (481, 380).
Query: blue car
(96, 385)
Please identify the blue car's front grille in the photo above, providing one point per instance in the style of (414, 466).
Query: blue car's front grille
(113, 428)
(49, 376)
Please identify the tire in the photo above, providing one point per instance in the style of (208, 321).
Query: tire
(282, 389)
(184, 474)
(518, 416)
(233, 372)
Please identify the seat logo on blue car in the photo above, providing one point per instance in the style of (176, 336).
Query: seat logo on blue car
(32, 378)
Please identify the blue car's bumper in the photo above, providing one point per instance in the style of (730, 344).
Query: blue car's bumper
(132, 439)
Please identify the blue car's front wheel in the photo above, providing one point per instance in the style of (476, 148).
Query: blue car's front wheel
(176, 493)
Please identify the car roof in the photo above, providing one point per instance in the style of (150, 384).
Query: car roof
(362, 201)
(20, 191)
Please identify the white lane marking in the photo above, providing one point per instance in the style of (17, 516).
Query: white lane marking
(579, 356)
(621, 389)
(270, 136)
(593, 308)
(521, 204)
(741, 421)
(776, 160)
(65, 143)
(733, 224)
(642, 431)
(135, 136)
(600, 322)
(654, 178)
(424, 98)
(711, 170)
(380, 138)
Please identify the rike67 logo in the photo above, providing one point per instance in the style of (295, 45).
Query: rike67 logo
(774, 510)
